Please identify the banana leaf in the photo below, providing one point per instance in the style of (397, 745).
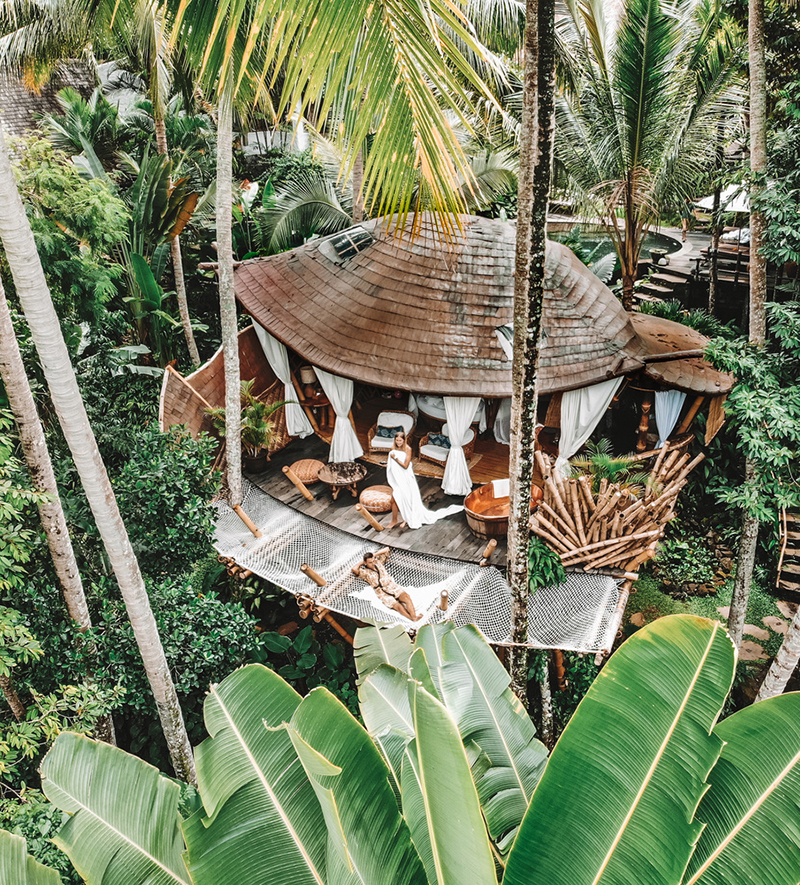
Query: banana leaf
(17, 867)
(261, 811)
(752, 811)
(474, 680)
(350, 779)
(381, 644)
(430, 639)
(459, 843)
(385, 706)
(617, 800)
(123, 827)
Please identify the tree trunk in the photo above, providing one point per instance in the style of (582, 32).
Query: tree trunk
(227, 298)
(758, 167)
(37, 304)
(785, 662)
(758, 291)
(716, 230)
(40, 467)
(548, 728)
(177, 259)
(536, 150)
(748, 541)
(11, 696)
(358, 184)
(628, 279)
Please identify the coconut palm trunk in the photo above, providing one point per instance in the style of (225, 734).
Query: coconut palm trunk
(758, 290)
(175, 254)
(34, 295)
(227, 298)
(40, 467)
(534, 189)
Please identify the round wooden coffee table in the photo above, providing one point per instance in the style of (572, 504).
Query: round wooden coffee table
(342, 475)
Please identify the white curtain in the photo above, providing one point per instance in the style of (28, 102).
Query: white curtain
(502, 423)
(344, 445)
(668, 409)
(460, 411)
(581, 411)
(297, 423)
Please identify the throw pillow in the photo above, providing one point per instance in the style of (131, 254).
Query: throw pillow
(389, 432)
(439, 439)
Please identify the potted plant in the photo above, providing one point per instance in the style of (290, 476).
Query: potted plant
(258, 430)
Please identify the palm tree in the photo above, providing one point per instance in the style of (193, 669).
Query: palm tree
(404, 77)
(34, 295)
(748, 539)
(643, 95)
(536, 150)
(37, 457)
(643, 786)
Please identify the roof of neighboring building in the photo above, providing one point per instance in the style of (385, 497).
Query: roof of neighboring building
(21, 107)
(409, 311)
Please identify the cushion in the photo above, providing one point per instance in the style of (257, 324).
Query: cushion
(376, 499)
(389, 432)
(307, 470)
(390, 419)
(378, 442)
(435, 452)
(439, 439)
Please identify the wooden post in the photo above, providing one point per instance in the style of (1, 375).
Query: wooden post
(298, 483)
(369, 517)
(488, 551)
(690, 415)
(247, 521)
(315, 577)
(444, 598)
(644, 424)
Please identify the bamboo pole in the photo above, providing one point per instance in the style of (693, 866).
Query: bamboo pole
(237, 509)
(315, 577)
(298, 483)
(690, 415)
(444, 598)
(369, 517)
(639, 536)
(488, 550)
(565, 527)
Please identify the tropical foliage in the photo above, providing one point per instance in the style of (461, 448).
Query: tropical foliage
(296, 789)
(644, 94)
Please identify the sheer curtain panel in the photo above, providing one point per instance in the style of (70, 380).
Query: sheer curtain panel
(460, 411)
(344, 445)
(297, 423)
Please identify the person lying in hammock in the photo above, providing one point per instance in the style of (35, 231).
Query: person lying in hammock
(373, 570)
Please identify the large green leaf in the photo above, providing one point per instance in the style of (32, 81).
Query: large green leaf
(474, 682)
(430, 639)
(385, 706)
(262, 811)
(351, 782)
(458, 840)
(381, 644)
(617, 799)
(17, 867)
(752, 810)
(124, 823)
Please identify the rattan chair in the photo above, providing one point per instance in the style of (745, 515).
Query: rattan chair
(428, 451)
(391, 418)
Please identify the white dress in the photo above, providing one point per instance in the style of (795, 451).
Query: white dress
(407, 495)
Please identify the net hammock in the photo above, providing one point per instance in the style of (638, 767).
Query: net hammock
(576, 615)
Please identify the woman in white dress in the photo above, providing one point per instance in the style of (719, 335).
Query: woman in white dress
(406, 497)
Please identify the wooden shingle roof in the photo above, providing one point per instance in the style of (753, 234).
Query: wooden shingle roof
(414, 313)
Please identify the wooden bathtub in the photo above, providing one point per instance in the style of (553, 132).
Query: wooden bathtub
(486, 508)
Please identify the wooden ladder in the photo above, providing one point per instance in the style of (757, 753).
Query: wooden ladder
(789, 561)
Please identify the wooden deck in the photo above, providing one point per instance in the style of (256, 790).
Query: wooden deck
(449, 537)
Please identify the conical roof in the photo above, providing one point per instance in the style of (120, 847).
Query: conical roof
(406, 310)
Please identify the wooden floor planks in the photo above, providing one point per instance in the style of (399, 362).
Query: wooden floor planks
(449, 537)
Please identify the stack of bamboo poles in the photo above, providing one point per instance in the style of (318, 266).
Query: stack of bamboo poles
(620, 525)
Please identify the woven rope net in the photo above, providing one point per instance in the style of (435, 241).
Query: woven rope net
(577, 615)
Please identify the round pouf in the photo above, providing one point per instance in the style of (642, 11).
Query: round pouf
(376, 499)
(307, 470)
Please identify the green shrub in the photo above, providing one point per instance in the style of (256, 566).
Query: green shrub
(684, 560)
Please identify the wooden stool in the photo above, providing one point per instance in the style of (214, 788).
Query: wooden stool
(307, 470)
(376, 499)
